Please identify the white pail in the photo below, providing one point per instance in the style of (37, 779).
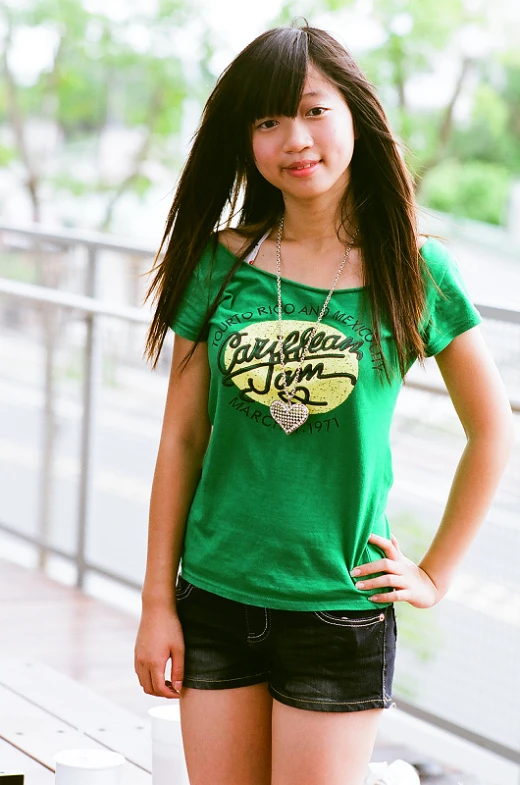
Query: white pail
(88, 767)
(168, 762)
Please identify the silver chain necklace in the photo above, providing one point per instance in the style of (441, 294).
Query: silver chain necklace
(291, 415)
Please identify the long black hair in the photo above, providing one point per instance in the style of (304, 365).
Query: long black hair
(220, 179)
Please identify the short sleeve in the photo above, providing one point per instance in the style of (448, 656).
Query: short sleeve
(199, 294)
(450, 311)
(191, 310)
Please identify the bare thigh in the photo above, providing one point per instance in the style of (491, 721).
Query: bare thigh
(227, 735)
(321, 748)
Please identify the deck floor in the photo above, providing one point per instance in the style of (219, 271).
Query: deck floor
(73, 633)
(92, 642)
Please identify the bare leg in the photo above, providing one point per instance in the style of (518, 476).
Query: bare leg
(322, 748)
(227, 735)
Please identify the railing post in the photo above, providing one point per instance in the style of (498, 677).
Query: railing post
(50, 330)
(49, 432)
(91, 380)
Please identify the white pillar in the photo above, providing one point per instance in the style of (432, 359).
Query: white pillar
(397, 773)
(89, 767)
(168, 761)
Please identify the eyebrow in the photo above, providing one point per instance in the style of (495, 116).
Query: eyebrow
(313, 94)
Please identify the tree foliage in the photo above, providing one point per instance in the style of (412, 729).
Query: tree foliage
(103, 74)
(416, 37)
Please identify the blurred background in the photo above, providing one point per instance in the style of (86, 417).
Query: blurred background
(98, 103)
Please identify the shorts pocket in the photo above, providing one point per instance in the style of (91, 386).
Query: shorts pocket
(183, 588)
(350, 618)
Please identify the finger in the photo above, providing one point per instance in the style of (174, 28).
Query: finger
(139, 672)
(389, 579)
(160, 687)
(174, 693)
(385, 544)
(395, 542)
(390, 596)
(381, 565)
(177, 674)
(145, 681)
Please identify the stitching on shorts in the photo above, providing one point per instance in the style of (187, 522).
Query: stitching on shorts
(237, 678)
(265, 631)
(385, 694)
(349, 622)
(312, 700)
(185, 593)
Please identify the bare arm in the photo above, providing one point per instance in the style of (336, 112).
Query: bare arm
(184, 439)
(481, 402)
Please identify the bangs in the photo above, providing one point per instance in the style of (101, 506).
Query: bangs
(269, 75)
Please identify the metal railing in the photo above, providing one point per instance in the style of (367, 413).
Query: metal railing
(92, 309)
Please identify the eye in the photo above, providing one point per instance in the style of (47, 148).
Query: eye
(317, 111)
(266, 124)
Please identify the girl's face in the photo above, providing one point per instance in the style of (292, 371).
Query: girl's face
(308, 155)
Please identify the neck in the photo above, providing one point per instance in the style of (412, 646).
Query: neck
(313, 221)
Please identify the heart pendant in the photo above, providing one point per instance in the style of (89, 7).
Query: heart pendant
(289, 416)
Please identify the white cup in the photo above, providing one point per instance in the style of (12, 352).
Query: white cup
(88, 767)
(397, 773)
(168, 761)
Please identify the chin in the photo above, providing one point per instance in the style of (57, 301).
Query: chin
(307, 190)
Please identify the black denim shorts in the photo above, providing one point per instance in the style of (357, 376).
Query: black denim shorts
(315, 660)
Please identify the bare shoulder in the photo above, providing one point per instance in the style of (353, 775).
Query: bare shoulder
(233, 241)
(236, 242)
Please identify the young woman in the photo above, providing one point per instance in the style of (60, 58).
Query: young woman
(293, 332)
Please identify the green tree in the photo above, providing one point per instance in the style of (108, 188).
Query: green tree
(437, 144)
(104, 74)
(492, 132)
(474, 189)
(416, 33)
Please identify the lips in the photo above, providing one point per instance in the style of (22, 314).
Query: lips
(303, 170)
(302, 165)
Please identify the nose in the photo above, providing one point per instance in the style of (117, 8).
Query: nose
(297, 136)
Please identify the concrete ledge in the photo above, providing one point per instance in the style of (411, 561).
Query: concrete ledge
(398, 727)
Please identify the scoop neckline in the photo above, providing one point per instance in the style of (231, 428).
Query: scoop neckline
(290, 280)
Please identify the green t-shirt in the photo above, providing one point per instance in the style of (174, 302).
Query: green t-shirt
(280, 520)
